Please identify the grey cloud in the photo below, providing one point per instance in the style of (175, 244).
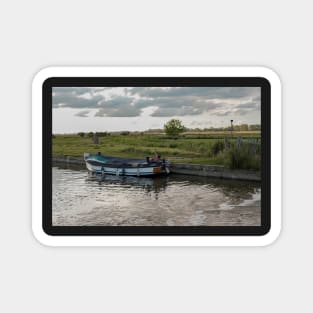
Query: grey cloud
(209, 92)
(191, 109)
(73, 101)
(242, 111)
(178, 107)
(251, 105)
(241, 108)
(177, 101)
(121, 106)
(163, 102)
(71, 97)
(125, 111)
(119, 101)
(83, 113)
(223, 113)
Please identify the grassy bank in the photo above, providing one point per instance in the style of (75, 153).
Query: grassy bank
(190, 148)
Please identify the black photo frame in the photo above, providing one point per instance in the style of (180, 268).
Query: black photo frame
(261, 82)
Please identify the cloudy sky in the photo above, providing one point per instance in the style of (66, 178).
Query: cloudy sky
(140, 108)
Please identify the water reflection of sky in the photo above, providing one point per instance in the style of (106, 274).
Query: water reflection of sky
(80, 198)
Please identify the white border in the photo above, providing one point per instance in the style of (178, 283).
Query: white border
(276, 125)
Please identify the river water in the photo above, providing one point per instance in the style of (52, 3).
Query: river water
(82, 199)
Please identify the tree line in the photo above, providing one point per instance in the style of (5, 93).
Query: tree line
(174, 127)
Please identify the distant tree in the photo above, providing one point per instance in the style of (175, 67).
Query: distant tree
(244, 127)
(101, 134)
(81, 134)
(90, 134)
(174, 127)
(255, 127)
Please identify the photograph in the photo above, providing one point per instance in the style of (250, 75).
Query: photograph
(156, 156)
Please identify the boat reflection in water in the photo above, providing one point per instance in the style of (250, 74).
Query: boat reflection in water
(153, 185)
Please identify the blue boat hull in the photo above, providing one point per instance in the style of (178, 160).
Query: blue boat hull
(124, 167)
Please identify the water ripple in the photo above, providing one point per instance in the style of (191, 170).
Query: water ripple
(83, 199)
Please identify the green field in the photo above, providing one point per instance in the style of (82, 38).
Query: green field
(196, 148)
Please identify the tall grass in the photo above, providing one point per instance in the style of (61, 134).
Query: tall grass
(244, 157)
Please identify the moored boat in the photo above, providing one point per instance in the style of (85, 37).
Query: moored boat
(98, 163)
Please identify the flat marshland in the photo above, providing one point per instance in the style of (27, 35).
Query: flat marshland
(190, 147)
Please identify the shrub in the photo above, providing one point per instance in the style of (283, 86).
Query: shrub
(242, 158)
(217, 147)
(81, 134)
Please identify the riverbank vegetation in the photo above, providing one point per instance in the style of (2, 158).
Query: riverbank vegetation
(240, 149)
